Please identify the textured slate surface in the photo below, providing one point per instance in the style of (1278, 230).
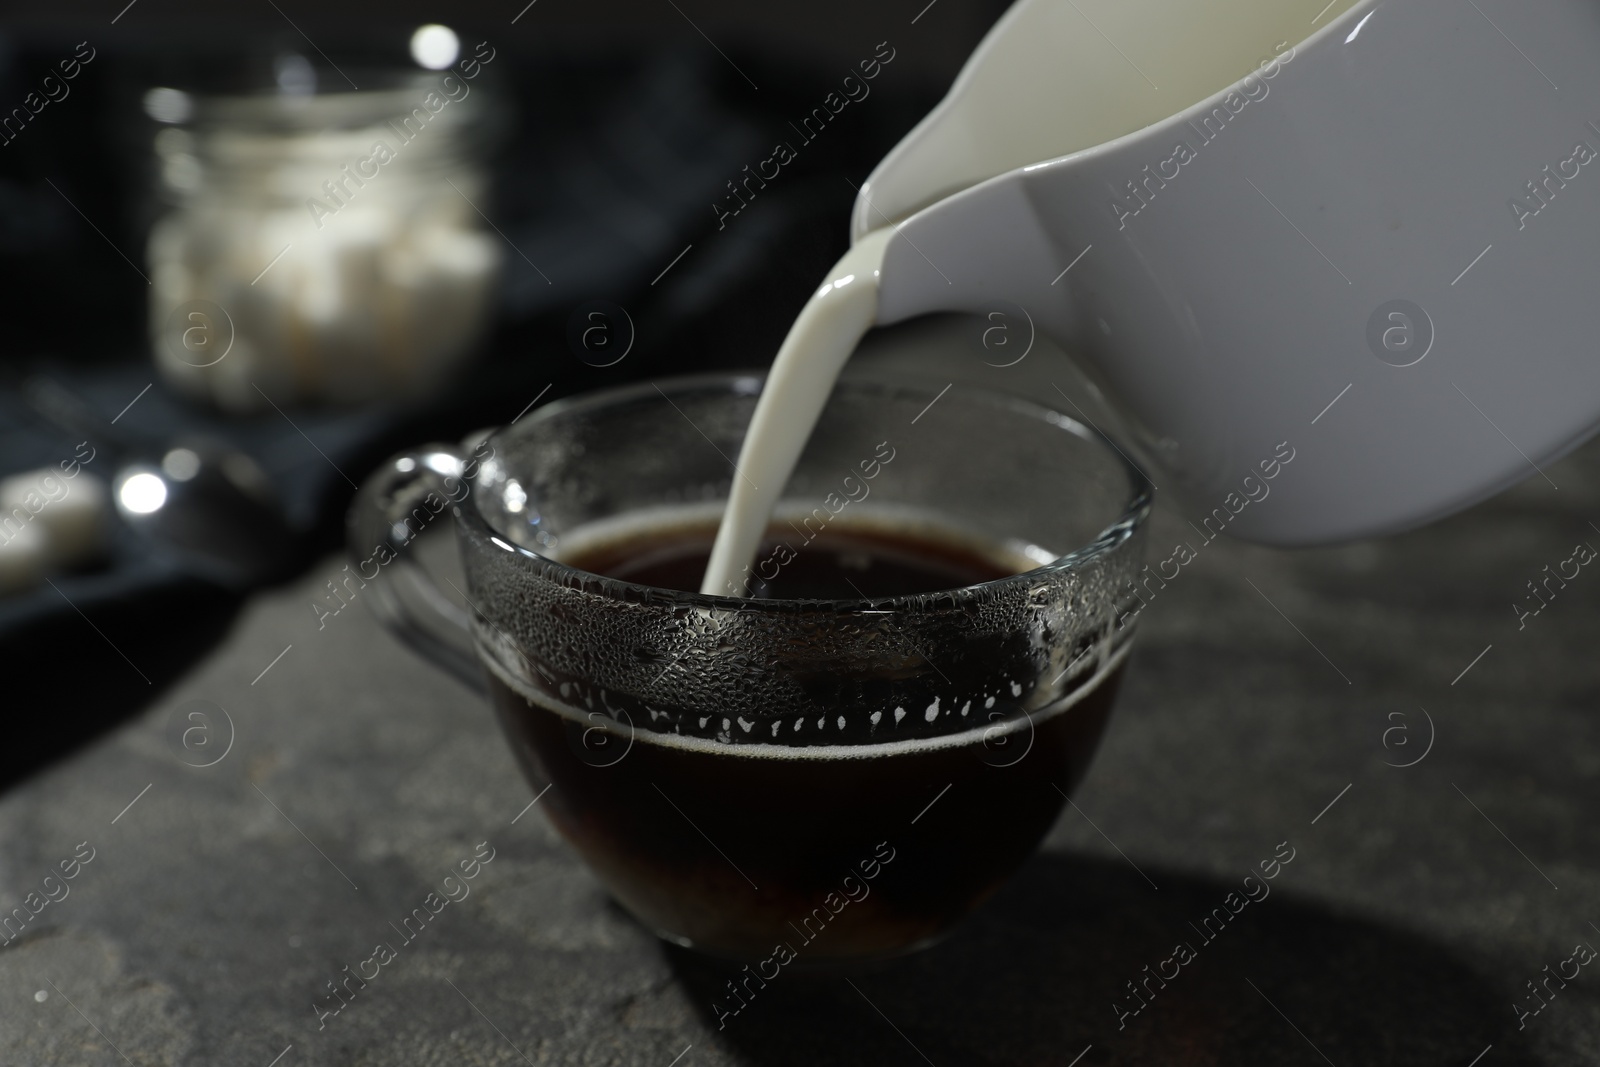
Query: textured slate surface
(1404, 930)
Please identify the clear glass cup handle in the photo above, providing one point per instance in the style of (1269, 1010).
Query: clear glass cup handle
(404, 496)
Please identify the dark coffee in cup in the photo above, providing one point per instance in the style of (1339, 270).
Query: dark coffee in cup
(863, 829)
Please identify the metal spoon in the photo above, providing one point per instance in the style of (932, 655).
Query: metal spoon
(209, 500)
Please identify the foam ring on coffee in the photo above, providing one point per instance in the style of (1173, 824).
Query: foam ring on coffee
(983, 733)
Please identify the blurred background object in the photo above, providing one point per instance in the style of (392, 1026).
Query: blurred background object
(321, 243)
(202, 188)
(45, 526)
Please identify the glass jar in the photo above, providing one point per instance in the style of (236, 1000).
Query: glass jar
(320, 247)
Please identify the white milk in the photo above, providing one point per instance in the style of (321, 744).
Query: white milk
(1091, 91)
(797, 388)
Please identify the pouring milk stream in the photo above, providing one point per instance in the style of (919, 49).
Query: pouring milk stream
(1364, 231)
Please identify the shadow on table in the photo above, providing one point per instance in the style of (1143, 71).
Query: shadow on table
(1033, 976)
(110, 650)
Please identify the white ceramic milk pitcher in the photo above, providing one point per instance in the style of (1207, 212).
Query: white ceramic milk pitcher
(1367, 233)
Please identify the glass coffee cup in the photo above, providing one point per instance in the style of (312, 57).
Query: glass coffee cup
(794, 779)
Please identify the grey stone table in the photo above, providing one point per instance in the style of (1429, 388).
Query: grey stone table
(1271, 699)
